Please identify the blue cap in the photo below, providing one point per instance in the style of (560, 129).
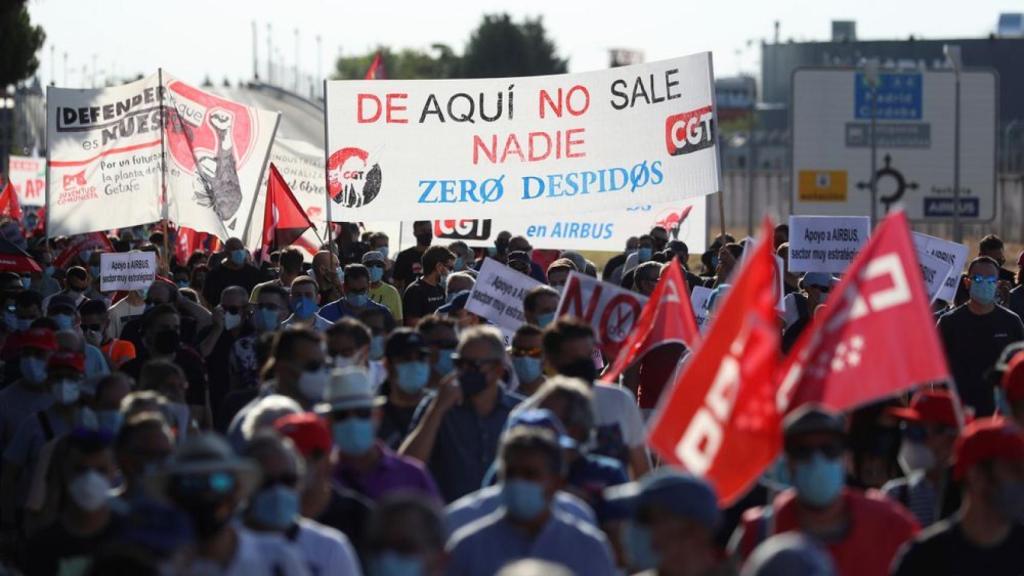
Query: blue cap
(542, 418)
(819, 279)
(789, 553)
(458, 303)
(678, 493)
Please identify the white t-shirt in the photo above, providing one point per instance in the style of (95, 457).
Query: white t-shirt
(614, 404)
(120, 313)
(326, 550)
(257, 555)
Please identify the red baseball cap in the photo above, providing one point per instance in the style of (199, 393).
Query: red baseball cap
(987, 439)
(72, 360)
(307, 431)
(930, 407)
(40, 338)
(1013, 378)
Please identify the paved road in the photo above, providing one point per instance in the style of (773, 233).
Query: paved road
(299, 120)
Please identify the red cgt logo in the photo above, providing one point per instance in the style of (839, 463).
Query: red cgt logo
(689, 131)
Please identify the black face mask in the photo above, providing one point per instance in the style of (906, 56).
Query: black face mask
(166, 341)
(472, 382)
(583, 369)
(203, 513)
(424, 239)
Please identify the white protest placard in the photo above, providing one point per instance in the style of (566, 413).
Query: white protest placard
(610, 309)
(935, 271)
(302, 166)
(953, 253)
(104, 154)
(498, 296)
(826, 243)
(28, 176)
(127, 270)
(514, 147)
(699, 300)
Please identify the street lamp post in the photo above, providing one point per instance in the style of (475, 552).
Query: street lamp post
(952, 52)
(871, 77)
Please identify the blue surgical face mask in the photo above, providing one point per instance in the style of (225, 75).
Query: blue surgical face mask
(304, 308)
(390, 563)
(383, 251)
(94, 272)
(644, 253)
(48, 271)
(275, 507)
(459, 264)
(544, 319)
(983, 292)
(63, 321)
(353, 436)
(639, 550)
(33, 369)
(376, 274)
(265, 320)
(238, 257)
(819, 480)
(412, 376)
(182, 283)
(1002, 402)
(26, 282)
(527, 368)
(377, 347)
(445, 363)
(340, 273)
(110, 420)
(357, 299)
(85, 255)
(523, 499)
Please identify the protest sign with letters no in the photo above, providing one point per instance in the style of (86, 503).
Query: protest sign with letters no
(127, 271)
(609, 309)
(826, 243)
(935, 271)
(953, 253)
(498, 296)
(482, 148)
(699, 300)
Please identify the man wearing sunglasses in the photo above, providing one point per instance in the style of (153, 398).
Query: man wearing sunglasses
(976, 333)
(800, 306)
(457, 430)
(862, 532)
(380, 291)
(528, 359)
(930, 430)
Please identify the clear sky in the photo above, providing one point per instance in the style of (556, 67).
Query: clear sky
(196, 38)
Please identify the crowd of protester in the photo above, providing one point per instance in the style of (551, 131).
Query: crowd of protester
(348, 415)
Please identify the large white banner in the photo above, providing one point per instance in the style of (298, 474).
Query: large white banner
(302, 166)
(104, 153)
(28, 176)
(606, 231)
(105, 158)
(522, 147)
(216, 154)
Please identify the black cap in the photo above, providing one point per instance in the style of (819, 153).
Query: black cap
(458, 303)
(813, 418)
(61, 302)
(519, 256)
(404, 340)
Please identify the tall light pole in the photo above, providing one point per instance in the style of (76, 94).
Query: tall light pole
(295, 82)
(255, 54)
(270, 58)
(953, 55)
(871, 77)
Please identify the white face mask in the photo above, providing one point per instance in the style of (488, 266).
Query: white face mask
(232, 321)
(312, 384)
(915, 456)
(90, 490)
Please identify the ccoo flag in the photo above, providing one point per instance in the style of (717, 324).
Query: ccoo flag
(720, 418)
(858, 349)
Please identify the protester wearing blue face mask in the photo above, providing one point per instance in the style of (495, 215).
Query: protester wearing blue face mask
(406, 360)
(863, 532)
(975, 334)
(380, 291)
(29, 393)
(363, 463)
(405, 537)
(357, 296)
(302, 303)
(531, 471)
(528, 359)
(234, 270)
(274, 509)
(540, 305)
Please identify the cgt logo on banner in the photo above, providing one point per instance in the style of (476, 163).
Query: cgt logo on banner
(610, 310)
(518, 147)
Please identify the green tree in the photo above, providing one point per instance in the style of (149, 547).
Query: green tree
(406, 64)
(501, 47)
(19, 42)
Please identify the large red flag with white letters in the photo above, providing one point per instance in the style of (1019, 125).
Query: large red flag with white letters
(9, 203)
(876, 337)
(666, 318)
(720, 419)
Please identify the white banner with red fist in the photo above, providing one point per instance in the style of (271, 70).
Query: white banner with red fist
(522, 147)
(106, 159)
(28, 176)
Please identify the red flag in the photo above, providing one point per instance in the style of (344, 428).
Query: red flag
(720, 419)
(9, 203)
(14, 259)
(185, 244)
(376, 69)
(666, 318)
(861, 347)
(90, 241)
(284, 220)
